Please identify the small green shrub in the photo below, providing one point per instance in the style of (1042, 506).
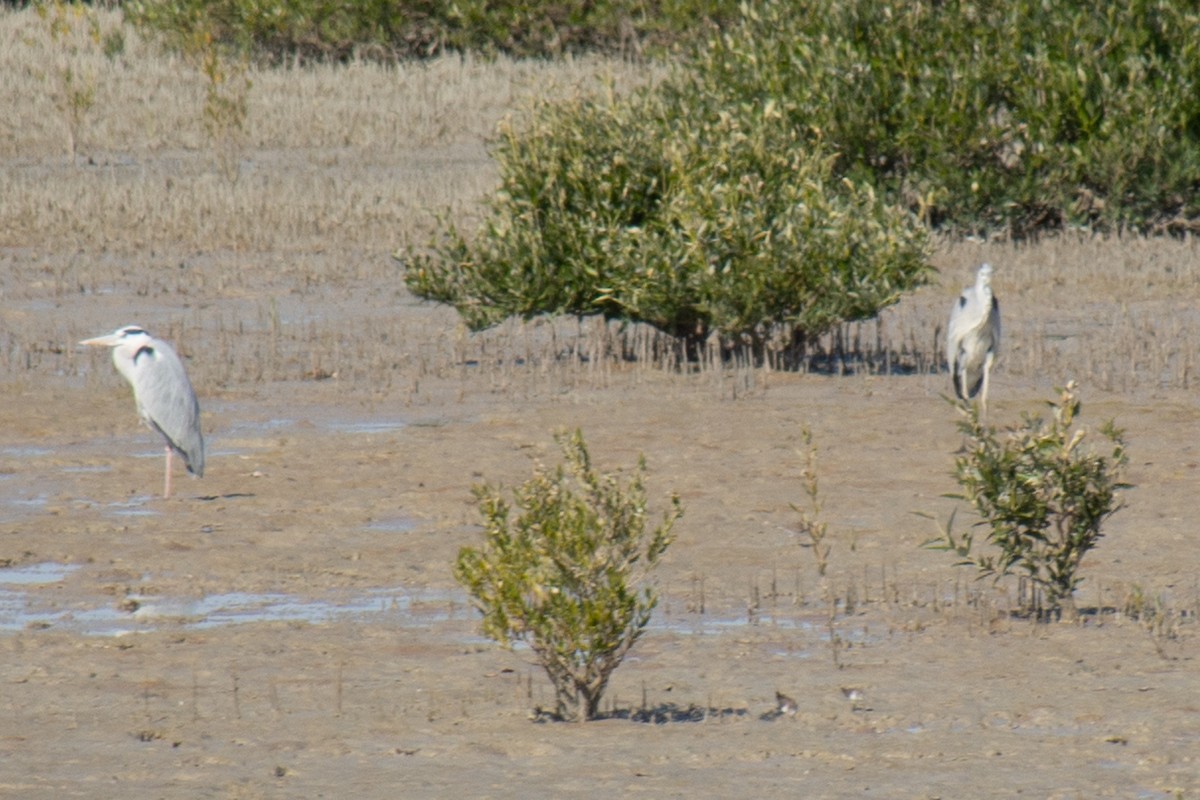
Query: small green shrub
(678, 210)
(562, 575)
(1041, 497)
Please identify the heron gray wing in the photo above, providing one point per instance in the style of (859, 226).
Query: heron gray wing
(966, 342)
(169, 404)
(957, 328)
(995, 325)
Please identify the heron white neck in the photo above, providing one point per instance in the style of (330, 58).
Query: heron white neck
(983, 286)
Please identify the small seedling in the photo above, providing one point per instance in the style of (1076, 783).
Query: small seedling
(810, 518)
(226, 97)
(563, 575)
(1040, 496)
(73, 30)
(1155, 617)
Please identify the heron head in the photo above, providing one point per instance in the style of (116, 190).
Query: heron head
(130, 335)
(985, 274)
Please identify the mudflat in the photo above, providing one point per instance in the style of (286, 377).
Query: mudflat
(288, 625)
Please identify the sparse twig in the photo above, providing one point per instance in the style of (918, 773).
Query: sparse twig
(73, 30)
(226, 99)
(811, 523)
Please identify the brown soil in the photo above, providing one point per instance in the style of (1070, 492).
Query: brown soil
(116, 684)
(288, 626)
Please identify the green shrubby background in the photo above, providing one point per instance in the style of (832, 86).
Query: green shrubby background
(784, 175)
(283, 31)
(1014, 116)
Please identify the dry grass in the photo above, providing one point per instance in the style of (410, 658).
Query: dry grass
(334, 156)
(286, 272)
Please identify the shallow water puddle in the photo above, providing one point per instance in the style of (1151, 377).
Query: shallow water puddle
(395, 606)
(711, 625)
(141, 613)
(134, 507)
(25, 452)
(47, 572)
(24, 605)
(399, 524)
(21, 609)
(339, 425)
(369, 426)
(27, 502)
(14, 603)
(15, 504)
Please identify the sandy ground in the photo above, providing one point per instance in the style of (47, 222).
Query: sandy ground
(328, 521)
(288, 626)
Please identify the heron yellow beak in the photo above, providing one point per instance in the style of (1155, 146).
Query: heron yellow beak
(101, 341)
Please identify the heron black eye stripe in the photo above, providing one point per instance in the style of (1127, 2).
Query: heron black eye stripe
(147, 349)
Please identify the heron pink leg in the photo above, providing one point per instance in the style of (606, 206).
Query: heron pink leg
(167, 486)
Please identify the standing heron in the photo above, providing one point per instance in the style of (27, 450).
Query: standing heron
(164, 396)
(973, 337)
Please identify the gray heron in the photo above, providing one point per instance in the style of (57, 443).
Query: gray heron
(973, 337)
(164, 396)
